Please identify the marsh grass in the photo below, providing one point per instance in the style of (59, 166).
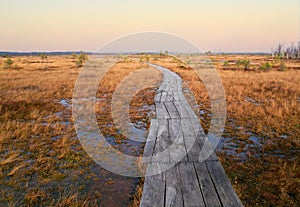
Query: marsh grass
(43, 163)
(268, 173)
(41, 160)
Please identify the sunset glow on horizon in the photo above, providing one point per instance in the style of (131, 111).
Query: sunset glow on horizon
(218, 25)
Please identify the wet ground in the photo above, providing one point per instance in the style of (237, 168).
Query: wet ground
(112, 189)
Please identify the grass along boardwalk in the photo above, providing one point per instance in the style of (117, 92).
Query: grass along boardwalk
(188, 181)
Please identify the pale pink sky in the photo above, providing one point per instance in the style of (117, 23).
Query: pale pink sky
(217, 25)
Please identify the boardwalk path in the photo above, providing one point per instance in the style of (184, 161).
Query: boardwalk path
(189, 182)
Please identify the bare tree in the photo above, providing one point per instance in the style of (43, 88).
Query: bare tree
(290, 52)
(298, 53)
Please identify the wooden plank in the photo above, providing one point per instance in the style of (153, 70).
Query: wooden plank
(174, 87)
(172, 110)
(162, 141)
(209, 192)
(149, 147)
(157, 98)
(187, 128)
(201, 139)
(191, 192)
(154, 188)
(222, 184)
(161, 111)
(194, 152)
(163, 96)
(173, 195)
(176, 137)
(178, 95)
(170, 96)
(181, 109)
(190, 111)
(163, 87)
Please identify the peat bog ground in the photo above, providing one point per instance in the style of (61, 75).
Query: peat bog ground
(43, 164)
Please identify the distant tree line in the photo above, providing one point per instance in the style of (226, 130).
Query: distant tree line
(290, 52)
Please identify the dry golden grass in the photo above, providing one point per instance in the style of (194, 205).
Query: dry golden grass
(41, 159)
(264, 105)
(43, 163)
(35, 139)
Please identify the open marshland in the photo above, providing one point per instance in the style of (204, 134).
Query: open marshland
(43, 164)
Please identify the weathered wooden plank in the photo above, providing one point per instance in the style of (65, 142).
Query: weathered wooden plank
(161, 111)
(163, 96)
(178, 96)
(173, 195)
(157, 98)
(194, 152)
(162, 141)
(188, 128)
(181, 109)
(201, 139)
(170, 96)
(172, 110)
(149, 147)
(176, 137)
(190, 111)
(191, 192)
(174, 87)
(222, 184)
(206, 184)
(163, 87)
(154, 188)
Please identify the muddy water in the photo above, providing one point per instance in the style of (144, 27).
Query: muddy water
(111, 189)
(238, 141)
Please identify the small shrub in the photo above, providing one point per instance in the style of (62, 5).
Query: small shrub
(81, 58)
(126, 59)
(74, 56)
(282, 66)
(244, 63)
(208, 53)
(43, 56)
(8, 63)
(266, 66)
(226, 65)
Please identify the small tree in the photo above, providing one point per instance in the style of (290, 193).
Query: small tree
(8, 63)
(226, 65)
(265, 66)
(81, 58)
(208, 53)
(298, 50)
(43, 56)
(74, 56)
(244, 63)
(282, 66)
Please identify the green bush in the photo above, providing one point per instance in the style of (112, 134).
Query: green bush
(74, 56)
(81, 58)
(266, 66)
(244, 63)
(43, 56)
(226, 65)
(282, 66)
(8, 63)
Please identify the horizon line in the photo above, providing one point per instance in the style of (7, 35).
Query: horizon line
(116, 53)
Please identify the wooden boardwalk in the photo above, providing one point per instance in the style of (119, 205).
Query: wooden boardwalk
(188, 182)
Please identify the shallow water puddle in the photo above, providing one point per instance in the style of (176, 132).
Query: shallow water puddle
(112, 189)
